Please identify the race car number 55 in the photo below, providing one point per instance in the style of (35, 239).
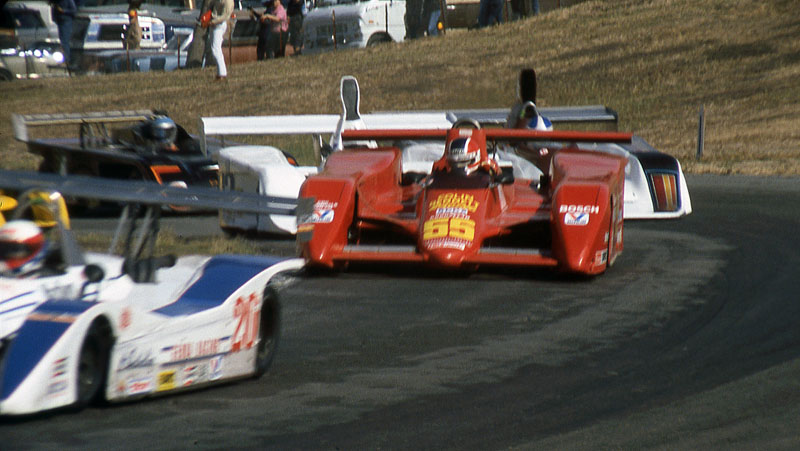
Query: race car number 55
(459, 228)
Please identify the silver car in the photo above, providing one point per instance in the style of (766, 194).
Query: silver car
(46, 60)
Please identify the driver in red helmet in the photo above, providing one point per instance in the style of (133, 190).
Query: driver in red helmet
(23, 248)
(466, 151)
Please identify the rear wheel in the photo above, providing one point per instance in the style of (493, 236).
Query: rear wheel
(376, 39)
(268, 331)
(93, 363)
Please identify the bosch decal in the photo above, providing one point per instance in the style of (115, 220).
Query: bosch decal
(591, 209)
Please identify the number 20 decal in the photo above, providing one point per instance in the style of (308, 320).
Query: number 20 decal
(246, 313)
(460, 228)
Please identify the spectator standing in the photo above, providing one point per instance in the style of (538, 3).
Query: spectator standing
(133, 34)
(264, 27)
(63, 13)
(295, 12)
(279, 30)
(535, 6)
(221, 11)
(490, 13)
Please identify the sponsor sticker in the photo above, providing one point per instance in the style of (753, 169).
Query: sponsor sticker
(445, 243)
(600, 257)
(139, 386)
(194, 374)
(125, 319)
(134, 358)
(454, 200)
(215, 368)
(166, 380)
(57, 388)
(576, 219)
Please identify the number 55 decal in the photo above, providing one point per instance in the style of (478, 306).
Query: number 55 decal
(460, 228)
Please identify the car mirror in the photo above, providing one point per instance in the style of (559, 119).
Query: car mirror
(93, 273)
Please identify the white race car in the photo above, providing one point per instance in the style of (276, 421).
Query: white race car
(92, 327)
(655, 186)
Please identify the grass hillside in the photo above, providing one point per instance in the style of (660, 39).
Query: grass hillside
(654, 61)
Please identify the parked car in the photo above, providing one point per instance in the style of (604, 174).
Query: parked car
(25, 24)
(341, 24)
(93, 33)
(169, 58)
(44, 61)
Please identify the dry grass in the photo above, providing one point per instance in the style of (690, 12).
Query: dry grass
(168, 242)
(654, 61)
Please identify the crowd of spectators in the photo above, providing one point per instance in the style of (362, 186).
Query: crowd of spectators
(280, 23)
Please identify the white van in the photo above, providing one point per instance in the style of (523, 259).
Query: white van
(96, 32)
(342, 24)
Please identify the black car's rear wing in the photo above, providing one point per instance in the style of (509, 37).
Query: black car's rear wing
(22, 122)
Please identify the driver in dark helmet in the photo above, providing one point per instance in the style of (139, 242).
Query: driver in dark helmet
(162, 131)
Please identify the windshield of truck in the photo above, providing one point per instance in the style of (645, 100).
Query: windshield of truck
(324, 3)
(173, 3)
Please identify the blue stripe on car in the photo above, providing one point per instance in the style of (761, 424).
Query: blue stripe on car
(222, 275)
(34, 339)
(17, 308)
(16, 297)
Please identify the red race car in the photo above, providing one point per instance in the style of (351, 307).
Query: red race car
(469, 211)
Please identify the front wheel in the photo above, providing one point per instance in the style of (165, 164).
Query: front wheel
(268, 331)
(93, 363)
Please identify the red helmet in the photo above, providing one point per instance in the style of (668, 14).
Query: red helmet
(465, 149)
(22, 246)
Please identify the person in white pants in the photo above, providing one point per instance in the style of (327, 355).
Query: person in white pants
(221, 11)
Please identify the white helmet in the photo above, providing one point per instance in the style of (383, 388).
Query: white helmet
(22, 248)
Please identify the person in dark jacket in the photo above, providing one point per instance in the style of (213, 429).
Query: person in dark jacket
(63, 13)
(295, 12)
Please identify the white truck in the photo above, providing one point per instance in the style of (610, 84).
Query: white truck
(344, 24)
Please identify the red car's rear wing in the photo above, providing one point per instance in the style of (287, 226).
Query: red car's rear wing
(501, 134)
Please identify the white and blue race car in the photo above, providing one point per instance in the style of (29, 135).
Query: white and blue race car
(96, 327)
(655, 186)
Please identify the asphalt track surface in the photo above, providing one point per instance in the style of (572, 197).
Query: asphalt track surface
(691, 340)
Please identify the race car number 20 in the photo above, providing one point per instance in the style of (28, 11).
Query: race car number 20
(246, 313)
(459, 228)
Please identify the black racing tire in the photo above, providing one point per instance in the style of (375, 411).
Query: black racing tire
(269, 331)
(231, 232)
(93, 364)
(376, 39)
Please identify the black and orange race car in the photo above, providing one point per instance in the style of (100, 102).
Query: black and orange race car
(130, 145)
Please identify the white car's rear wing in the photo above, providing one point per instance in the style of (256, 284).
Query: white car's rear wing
(313, 124)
